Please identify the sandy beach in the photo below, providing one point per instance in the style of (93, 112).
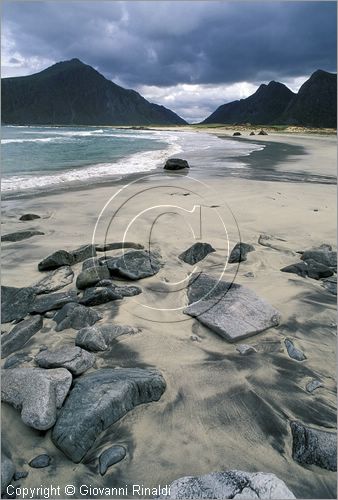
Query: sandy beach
(220, 410)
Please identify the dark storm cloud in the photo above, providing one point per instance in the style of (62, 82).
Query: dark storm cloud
(167, 43)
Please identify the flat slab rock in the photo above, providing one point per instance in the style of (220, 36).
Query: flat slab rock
(231, 310)
(64, 258)
(16, 302)
(106, 247)
(75, 359)
(175, 164)
(55, 280)
(230, 484)
(20, 235)
(100, 338)
(309, 268)
(197, 252)
(135, 265)
(20, 335)
(98, 400)
(75, 316)
(322, 256)
(36, 392)
(314, 447)
(26, 217)
(51, 301)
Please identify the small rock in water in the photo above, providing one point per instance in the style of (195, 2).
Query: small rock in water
(330, 284)
(57, 259)
(313, 385)
(249, 274)
(20, 475)
(293, 352)
(92, 275)
(252, 133)
(20, 335)
(245, 349)
(17, 359)
(111, 456)
(95, 296)
(135, 265)
(25, 217)
(75, 359)
(196, 253)
(55, 280)
(50, 301)
(176, 164)
(16, 302)
(314, 447)
(106, 247)
(324, 256)
(84, 252)
(262, 132)
(7, 471)
(40, 461)
(20, 235)
(239, 252)
(75, 316)
(235, 134)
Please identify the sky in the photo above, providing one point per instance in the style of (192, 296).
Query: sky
(190, 56)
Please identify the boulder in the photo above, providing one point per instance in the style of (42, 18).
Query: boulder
(16, 302)
(95, 296)
(40, 461)
(55, 280)
(128, 291)
(252, 133)
(36, 392)
(17, 359)
(111, 456)
(100, 338)
(106, 247)
(330, 284)
(236, 134)
(55, 260)
(20, 335)
(324, 257)
(7, 471)
(313, 384)
(314, 447)
(309, 268)
(239, 252)
(135, 265)
(245, 349)
(229, 484)
(26, 217)
(176, 164)
(73, 358)
(20, 235)
(231, 310)
(196, 253)
(293, 352)
(75, 316)
(262, 132)
(91, 262)
(52, 301)
(92, 275)
(98, 400)
(84, 252)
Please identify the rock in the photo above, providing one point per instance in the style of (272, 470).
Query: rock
(16, 302)
(325, 257)
(111, 456)
(313, 385)
(40, 461)
(7, 471)
(20, 235)
(195, 338)
(262, 132)
(252, 133)
(106, 247)
(229, 484)
(99, 338)
(309, 268)
(20, 475)
(293, 352)
(245, 349)
(90, 276)
(75, 316)
(175, 164)
(249, 274)
(89, 263)
(55, 280)
(84, 252)
(239, 252)
(231, 310)
(196, 253)
(55, 260)
(36, 392)
(128, 291)
(95, 296)
(314, 447)
(270, 241)
(25, 217)
(98, 400)
(20, 335)
(50, 314)
(236, 134)
(52, 301)
(135, 265)
(75, 359)
(330, 284)
(17, 359)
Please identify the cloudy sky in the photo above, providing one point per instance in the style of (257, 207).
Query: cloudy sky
(190, 56)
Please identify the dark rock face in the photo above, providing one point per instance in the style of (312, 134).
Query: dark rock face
(230, 484)
(40, 461)
(314, 447)
(73, 358)
(99, 295)
(330, 284)
(20, 475)
(7, 471)
(100, 338)
(92, 275)
(135, 265)
(25, 217)
(75, 316)
(91, 262)
(16, 302)
(262, 132)
(55, 280)
(57, 259)
(52, 301)
(20, 235)
(309, 268)
(236, 134)
(17, 360)
(252, 133)
(293, 352)
(98, 400)
(106, 247)
(20, 335)
(324, 257)
(175, 164)
(239, 252)
(231, 310)
(84, 252)
(196, 253)
(111, 456)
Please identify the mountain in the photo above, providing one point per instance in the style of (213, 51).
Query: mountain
(73, 93)
(264, 106)
(315, 105)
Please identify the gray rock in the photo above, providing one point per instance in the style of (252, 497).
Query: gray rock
(73, 358)
(314, 447)
(252, 133)
(293, 352)
(75, 316)
(245, 349)
(135, 265)
(98, 400)
(37, 393)
(89, 263)
(50, 314)
(175, 164)
(20, 235)
(20, 475)
(84, 252)
(55, 260)
(95, 296)
(229, 484)
(100, 338)
(239, 252)
(325, 257)
(274, 242)
(309, 268)
(262, 132)
(111, 456)
(53, 301)
(55, 280)
(106, 247)
(17, 360)
(249, 274)
(7, 471)
(231, 310)
(20, 335)
(16, 302)
(128, 291)
(40, 461)
(236, 134)
(313, 385)
(330, 284)
(26, 217)
(196, 253)
(90, 276)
